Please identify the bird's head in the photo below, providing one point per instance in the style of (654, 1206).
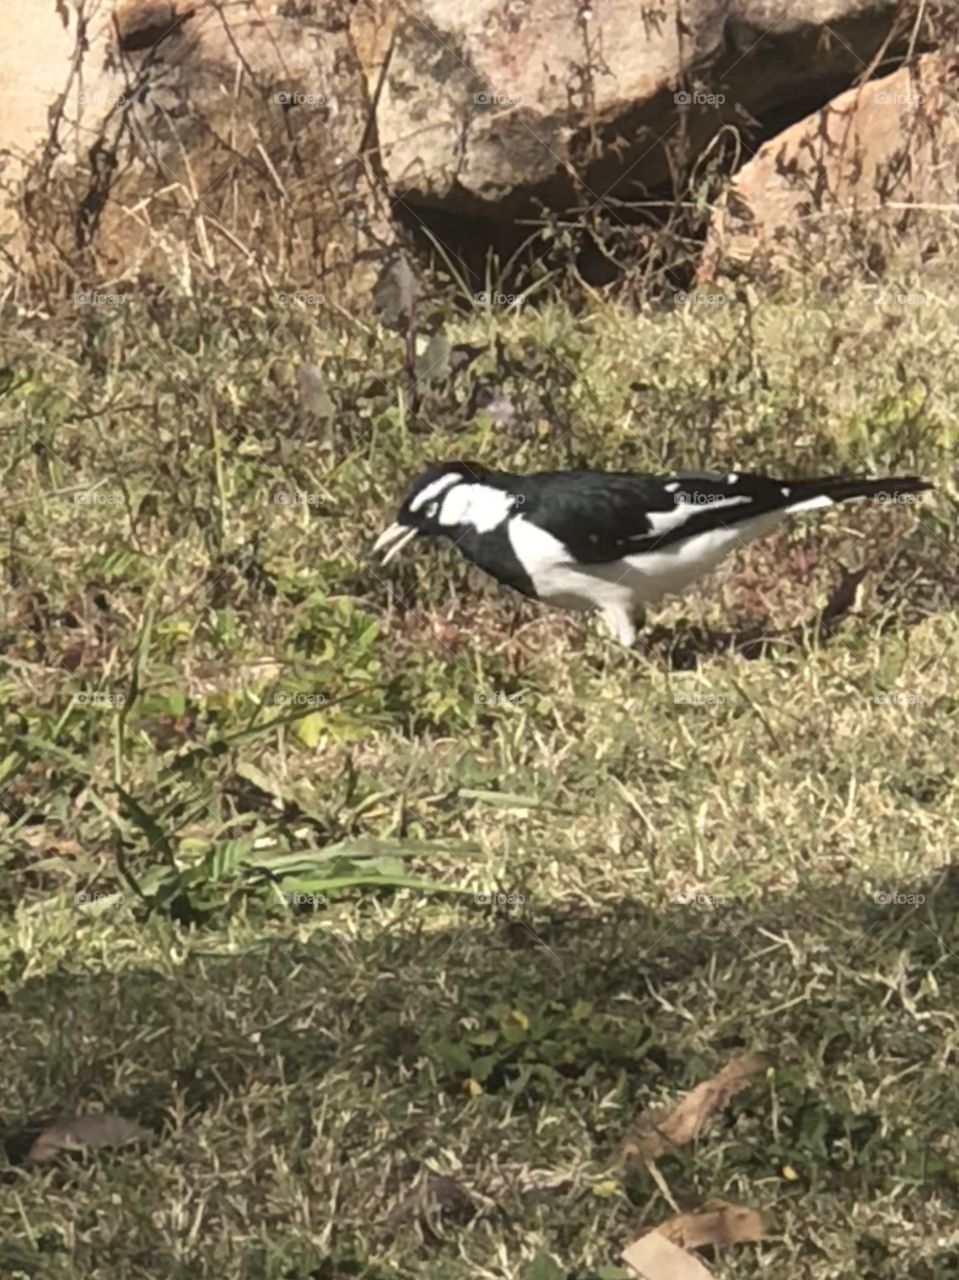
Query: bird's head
(430, 507)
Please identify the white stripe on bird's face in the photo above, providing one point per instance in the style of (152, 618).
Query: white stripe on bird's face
(434, 489)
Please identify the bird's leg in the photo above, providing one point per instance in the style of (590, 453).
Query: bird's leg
(621, 625)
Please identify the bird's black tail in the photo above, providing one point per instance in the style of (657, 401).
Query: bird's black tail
(829, 489)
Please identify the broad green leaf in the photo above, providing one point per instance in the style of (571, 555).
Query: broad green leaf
(505, 799)
(309, 728)
(543, 1267)
(225, 857)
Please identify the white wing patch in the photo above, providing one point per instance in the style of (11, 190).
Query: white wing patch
(811, 504)
(661, 521)
(434, 489)
(480, 505)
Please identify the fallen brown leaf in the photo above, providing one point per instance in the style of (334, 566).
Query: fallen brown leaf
(104, 1130)
(653, 1257)
(660, 1130)
(719, 1223)
(433, 1196)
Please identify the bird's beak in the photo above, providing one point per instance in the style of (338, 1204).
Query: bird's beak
(397, 534)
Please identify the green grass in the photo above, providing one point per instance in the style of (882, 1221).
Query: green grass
(214, 698)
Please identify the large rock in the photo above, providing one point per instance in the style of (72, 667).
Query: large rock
(489, 102)
(882, 157)
(218, 124)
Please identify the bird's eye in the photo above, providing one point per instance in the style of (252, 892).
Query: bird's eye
(432, 509)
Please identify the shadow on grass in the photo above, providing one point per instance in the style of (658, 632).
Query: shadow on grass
(371, 1058)
(682, 650)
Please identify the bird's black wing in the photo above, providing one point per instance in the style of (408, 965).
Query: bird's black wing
(602, 516)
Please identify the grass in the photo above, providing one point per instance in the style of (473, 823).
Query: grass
(214, 700)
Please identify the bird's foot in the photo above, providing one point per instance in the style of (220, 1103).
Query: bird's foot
(624, 626)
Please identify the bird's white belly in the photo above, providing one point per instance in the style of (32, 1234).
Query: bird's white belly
(671, 570)
(633, 581)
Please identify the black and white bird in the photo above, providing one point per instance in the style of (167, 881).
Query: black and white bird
(610, 541)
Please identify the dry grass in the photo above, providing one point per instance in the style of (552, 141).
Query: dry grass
(693, 834)
(213, 699)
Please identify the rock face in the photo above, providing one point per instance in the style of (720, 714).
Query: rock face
(886, 153)
(214, 115)
(192, 129)
(479, 103)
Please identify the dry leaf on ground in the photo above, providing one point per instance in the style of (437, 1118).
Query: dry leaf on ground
(658, 1131)
(719, 1223)
(79, 1132)
(653, 1257)
(429, 1200)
